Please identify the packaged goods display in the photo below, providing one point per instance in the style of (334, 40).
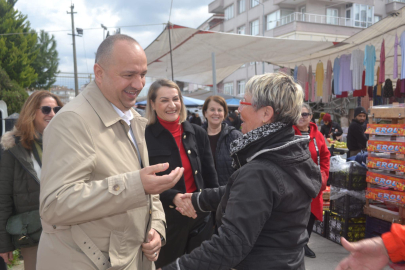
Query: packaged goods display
(386, 164)
(385, 195)
(386, 129)
(386, 146)
(386, 181)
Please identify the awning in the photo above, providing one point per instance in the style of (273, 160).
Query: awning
(192, 49)
(386, 29)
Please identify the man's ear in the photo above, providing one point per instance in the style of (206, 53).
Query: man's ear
(98, 72)
(268, 113)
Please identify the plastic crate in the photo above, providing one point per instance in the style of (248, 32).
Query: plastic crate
(376, 227)
(347, 206)
(353, 229)
(321, 227)
(352, 177)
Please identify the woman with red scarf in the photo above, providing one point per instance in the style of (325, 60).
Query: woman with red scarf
(171, 139)
(321, 156)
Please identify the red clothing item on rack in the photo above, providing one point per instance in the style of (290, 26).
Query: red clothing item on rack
(343, 95)
(363, 91)
(176, 131)
(394, 242)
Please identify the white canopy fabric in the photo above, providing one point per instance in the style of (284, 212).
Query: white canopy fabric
(385, 29)
(192, 49)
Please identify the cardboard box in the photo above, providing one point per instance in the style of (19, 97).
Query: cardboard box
(385, 181)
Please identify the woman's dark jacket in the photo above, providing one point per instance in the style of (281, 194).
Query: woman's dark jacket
(356, 138)
(19, 185)
(223, 158)
(327, 129)
(163, 148)
(264, 209)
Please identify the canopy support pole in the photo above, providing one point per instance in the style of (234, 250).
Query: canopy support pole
(169, 25)
(214, 74)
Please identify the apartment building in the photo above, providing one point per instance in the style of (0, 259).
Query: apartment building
(330, 20)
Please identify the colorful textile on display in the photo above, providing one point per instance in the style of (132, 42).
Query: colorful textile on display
(369, 62)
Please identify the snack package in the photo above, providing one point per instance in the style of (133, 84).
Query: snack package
(386, 146)
(386, 129)
(383, 195)
(386, 164)
(385, 181)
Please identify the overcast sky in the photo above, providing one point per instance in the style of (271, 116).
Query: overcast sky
(51, 16)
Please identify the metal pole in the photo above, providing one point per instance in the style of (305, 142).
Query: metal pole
(170, 45)
(263, 26)
(214, 74)
(74, 50)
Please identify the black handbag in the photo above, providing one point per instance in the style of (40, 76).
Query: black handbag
(25, 229)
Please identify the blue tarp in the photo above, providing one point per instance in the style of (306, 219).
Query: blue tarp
(188, 101)
(232, 102)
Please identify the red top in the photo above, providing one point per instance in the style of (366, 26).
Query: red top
(394, 242)
(176, 130)
(324, 154)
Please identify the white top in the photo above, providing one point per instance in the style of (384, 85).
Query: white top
(357, 67)
(37, 168)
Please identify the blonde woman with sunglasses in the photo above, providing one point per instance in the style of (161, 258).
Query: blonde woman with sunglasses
(20, 170)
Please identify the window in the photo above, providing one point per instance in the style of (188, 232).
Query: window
(254, 28)
(241, 87)
(254, 3)
(229, 12)
(377, 18)
(363, 15)
(303, 10)
(252, 63)
(241, 30)
(332, 16)
(272, 19)
(228, 88)
(241, 6)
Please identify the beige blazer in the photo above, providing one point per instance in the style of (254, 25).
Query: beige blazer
(94, 210)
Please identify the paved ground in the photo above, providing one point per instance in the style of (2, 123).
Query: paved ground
(328, 255)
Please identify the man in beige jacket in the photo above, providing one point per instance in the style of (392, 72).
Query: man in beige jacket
(97, 205)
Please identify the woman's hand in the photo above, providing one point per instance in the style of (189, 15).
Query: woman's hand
(7, 257)
(184, 205)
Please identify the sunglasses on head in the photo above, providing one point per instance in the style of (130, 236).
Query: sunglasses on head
(305, 114)
(48, 109)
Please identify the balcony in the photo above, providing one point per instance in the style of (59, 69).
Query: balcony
(320, 19)
(392, 6)
(217, 6)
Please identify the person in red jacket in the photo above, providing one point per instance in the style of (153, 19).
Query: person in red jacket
(375, 253)
(321, 156)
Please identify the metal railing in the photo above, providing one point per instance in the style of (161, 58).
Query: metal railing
(321, 19)
(398, 1)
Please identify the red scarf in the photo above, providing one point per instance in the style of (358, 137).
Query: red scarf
(176, 130)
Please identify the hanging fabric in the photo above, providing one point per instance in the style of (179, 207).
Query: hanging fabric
(369, 62)
(388, 90)
(363, 91)
(395, 72)
(327, 90)
(295, 73)
(310, 82)
(357, 67)
(397, 92)
(313, 90)
(379, 84)
(381, 78)
(345, 74)
(319, 79)
(402, 44)
(302, 78)
(336, 71)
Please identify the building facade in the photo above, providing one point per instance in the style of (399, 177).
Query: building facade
(319, 20)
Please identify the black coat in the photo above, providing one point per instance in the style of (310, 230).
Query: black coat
(327, 129)
(263, 211)
(163, 148)
(356, 138)
(223, 160)
(19, 185)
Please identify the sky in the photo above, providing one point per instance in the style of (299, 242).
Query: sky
(51, 16)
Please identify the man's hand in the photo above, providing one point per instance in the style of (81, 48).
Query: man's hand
(154, 184)
(7, 257)
(152, 248)
(184, 205)
(368, 254)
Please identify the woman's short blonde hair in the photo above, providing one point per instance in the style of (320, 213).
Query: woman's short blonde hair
(152, 94)
(278, 91)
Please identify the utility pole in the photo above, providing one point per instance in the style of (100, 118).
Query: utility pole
(74, 48)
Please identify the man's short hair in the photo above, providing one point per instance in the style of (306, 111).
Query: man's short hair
(105, 49)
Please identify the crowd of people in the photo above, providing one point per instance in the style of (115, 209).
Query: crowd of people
(110, 189)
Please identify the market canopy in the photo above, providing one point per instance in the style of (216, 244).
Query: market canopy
(233, 102)
(192, 50)
(393, 24)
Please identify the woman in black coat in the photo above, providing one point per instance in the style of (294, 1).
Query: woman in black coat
(171, 139)
(221, 135)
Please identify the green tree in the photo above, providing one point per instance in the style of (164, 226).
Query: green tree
(12, 93)
(17, 51)
(47, 61)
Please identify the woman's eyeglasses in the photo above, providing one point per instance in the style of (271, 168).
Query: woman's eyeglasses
(305, 115)
(48, 109)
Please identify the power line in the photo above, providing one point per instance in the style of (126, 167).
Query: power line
(95, 28)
